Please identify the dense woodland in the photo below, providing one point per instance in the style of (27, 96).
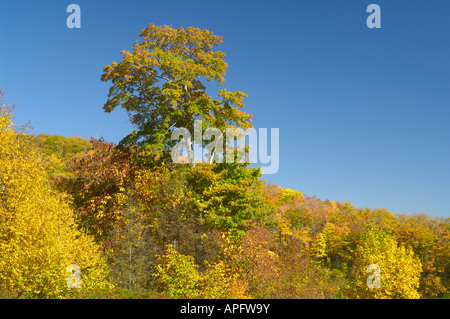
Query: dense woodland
(140, 226)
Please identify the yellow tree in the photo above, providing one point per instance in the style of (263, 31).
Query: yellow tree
(38, 234)
(177, 276)
(382, 269)
(426, 235)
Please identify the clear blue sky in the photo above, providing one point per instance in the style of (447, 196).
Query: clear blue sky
(363, 113)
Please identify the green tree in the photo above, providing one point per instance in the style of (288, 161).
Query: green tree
(227, 196)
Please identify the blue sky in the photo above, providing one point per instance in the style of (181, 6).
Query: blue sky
(363, 113)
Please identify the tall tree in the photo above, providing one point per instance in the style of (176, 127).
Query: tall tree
(162, 85)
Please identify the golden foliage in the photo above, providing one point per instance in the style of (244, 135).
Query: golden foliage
(38, 235)
(399, 269)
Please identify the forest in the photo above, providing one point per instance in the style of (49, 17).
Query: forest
(137, 225)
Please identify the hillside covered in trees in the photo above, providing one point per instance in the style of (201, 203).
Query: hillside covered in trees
(139, 225)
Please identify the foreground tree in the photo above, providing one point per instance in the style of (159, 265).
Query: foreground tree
(177, 276)
(38, 235)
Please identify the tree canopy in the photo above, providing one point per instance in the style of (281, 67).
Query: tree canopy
(162, 81)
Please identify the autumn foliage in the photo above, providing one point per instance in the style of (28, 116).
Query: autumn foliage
(140, 226)
(38, 234)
